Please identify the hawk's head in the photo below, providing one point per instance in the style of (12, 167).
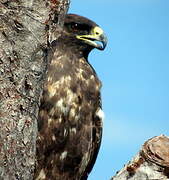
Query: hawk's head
(84, 32)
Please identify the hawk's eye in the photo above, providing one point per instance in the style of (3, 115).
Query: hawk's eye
(80, 27)
(75, 26)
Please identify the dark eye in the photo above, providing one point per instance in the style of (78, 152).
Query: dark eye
(75, 26)
(80, 27)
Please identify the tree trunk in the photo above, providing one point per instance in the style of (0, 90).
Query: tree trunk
(26, 29)
(151, 163)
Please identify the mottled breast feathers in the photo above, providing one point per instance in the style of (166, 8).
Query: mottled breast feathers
(70, 116)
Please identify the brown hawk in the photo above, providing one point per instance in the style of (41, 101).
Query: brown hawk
(70, 116)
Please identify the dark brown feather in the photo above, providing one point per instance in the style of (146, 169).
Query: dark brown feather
(69, 127)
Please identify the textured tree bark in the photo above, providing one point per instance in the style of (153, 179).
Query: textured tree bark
(151, 163)
(26, 29)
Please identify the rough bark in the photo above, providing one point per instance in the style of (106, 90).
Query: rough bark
(26, 29)
(151, 163)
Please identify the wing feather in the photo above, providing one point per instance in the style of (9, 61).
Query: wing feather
(70, 129)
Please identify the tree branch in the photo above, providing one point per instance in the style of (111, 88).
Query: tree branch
(151, 163)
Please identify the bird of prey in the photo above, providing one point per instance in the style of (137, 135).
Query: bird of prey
(70, 116)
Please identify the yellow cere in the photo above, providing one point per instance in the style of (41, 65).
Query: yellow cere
(97, 31)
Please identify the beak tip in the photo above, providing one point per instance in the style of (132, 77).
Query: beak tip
(104, 43)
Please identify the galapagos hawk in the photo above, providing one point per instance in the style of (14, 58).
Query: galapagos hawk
(70, 116)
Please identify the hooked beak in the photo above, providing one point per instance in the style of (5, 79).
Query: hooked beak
(96, 38)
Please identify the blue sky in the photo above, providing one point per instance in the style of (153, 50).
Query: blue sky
(134, 70)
